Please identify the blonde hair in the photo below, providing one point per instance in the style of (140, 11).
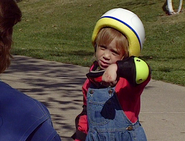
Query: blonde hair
(107, 34)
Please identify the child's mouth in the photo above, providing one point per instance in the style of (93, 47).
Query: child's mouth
(103, 64)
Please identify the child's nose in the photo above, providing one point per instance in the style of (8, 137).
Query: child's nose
(107, 54)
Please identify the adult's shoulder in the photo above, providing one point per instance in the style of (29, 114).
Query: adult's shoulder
(19, 114)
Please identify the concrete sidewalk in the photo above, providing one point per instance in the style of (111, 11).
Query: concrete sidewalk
(58, 86)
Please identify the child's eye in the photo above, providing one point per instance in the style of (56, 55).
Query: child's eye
(115, 52)
(102, 47)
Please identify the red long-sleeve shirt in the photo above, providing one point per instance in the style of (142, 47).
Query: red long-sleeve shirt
(127, 94)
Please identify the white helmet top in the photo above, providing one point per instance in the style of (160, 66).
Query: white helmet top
(126, 22)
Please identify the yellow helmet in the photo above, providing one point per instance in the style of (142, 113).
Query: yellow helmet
(127, 23)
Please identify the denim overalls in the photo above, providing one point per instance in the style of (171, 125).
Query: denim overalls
(107, 121)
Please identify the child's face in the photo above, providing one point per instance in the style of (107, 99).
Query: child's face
(107, 55)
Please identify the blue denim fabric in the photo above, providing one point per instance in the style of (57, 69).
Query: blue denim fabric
(107, 121)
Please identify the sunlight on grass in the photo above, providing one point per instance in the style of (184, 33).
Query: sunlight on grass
(60, 30)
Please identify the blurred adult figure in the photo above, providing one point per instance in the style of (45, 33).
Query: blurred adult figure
(22, 118)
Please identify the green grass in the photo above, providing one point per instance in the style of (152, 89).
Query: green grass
(60, 30)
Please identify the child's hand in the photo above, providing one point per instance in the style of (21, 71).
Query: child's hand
(110, 75)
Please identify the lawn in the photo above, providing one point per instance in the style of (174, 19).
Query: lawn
(60, 30)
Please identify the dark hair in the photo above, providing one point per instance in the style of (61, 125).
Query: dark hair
(10, 14)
